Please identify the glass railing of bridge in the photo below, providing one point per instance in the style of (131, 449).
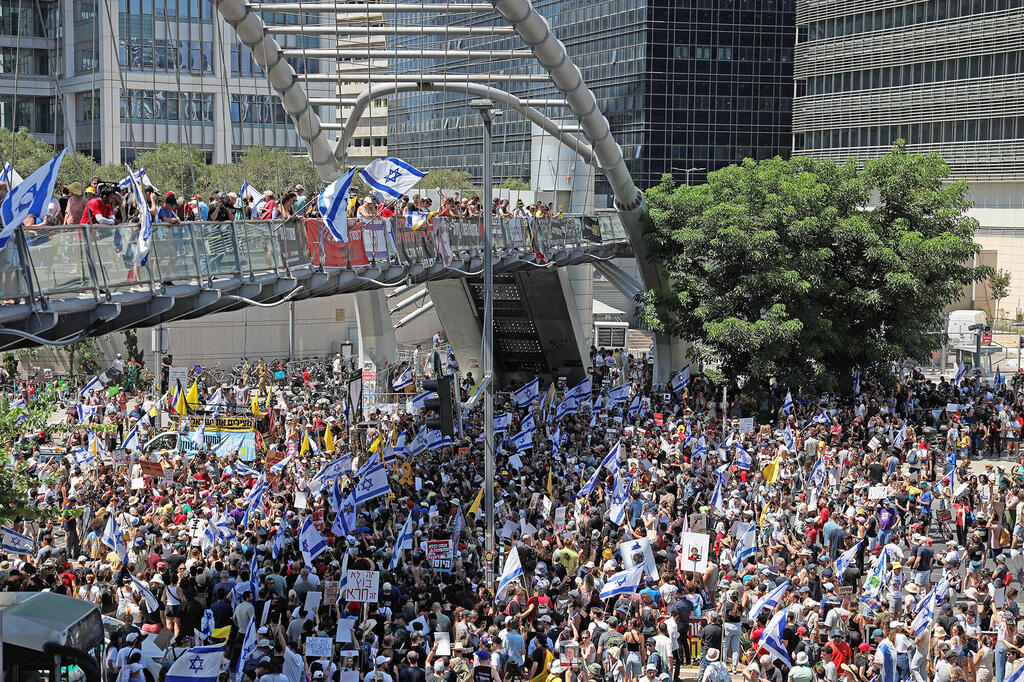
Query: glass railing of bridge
(63, 260)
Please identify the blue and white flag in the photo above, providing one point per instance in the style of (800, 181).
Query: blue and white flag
(528, 425)
(372, 484)
(747, 545)
(502, 422)
(925, 614)
(131, 441)
(418, 444)
(681, 379)
(523, 441)
(530, 393)
(242, 470)
(141, 178)
(10, 176)
(889, 671)
(82, 457)
(700, 450)
(619, 501)
(961, 372)
(403, 380)
(30, 197)
(145, 217)
(623, 582)
(856, 382)
(619, 394)
(16, 543)
(613, 460)
(345, 519)
(771, 638)
(513, 570)
(418, 401)
(403, 541)
(787, 404)
(822, 418)
(716, 496)
(333, 206)
(248, 190)
(768, 601)
(113, 538)
(588, 487)
(311, 543)
(743, 459)
(254, 575)
(566, 407)
(94, 385)
(389, 177)
(876, 580)
(436, 439)
(278, 544)
(901, 437)
(581, 390)
(818, 473)
(634, 407)
(845, 559)
(198, 664)
(255, 501)
(152, 603)
(198, 436)
(788, 439)
(248, 646)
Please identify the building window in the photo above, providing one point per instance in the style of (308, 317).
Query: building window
(87, 107)
(87, 56)
(258, 110)
(184, 56)
(147, 105)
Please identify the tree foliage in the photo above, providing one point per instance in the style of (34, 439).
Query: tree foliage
(26, 154)
(805, 269)
(15, 480)
(515, 184)
(999, 286)
(446, 178)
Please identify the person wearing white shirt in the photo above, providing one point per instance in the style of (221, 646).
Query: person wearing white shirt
(378, 674)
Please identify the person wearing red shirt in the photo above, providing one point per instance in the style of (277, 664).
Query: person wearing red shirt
(841, 652)
(98, 209)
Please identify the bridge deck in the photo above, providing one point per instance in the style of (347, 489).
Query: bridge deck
(81, 279)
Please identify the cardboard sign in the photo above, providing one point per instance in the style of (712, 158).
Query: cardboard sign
(943, 515)
(120, 457)
(952, 407)
(362, 586)
(463, 453)
(874, 443)
(694, 556)
(560, 520)
(747, 425)
(332, 590)
(877, 492)
(698, 523)
(151, 468)
(844, 590)
(636, 552)
(441, 555)
(317, 647)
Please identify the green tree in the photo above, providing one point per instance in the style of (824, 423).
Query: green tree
(999, 286)
(26, 154)
(11, 358)
(131, 345)
(15, 480)
(175, 168)
(446, 178)
(515, 184)
(265, 168)
(806, 269)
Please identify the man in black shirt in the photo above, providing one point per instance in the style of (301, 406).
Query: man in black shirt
(412, 672)
(710, 638)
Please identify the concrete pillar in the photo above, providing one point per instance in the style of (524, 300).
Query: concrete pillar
(109, 84)
(222, 132)
(459, 320)
(376, 333)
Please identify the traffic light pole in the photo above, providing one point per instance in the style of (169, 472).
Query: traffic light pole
(485, 107)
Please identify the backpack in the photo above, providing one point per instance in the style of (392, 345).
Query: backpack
(912, 458)
(721, 672)
(615, 640)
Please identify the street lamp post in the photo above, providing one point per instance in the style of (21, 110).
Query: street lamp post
(687, 171)
(486, 109)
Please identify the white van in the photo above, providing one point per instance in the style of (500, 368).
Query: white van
(959, 325)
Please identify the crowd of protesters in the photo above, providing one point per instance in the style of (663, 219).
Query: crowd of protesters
(846, 537)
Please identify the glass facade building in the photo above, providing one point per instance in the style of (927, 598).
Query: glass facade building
(945, 75)
(697, 84)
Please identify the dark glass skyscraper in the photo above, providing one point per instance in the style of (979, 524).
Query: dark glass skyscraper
(685, 84)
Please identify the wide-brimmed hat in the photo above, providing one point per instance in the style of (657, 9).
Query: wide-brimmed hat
(713, 655)
(75, 188)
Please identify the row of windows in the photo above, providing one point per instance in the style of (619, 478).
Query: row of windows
(746, 54)
(242, 63)
(35, 113)
(368, 141)
(29, 62)
(186, 56)
(23, 18)
(87, 107)
(194, 10)
(147, 105)
(978, 66)
(259, 110)
(974, 130)
(87, 56)
(897, 17)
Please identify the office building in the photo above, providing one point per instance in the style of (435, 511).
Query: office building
(687, 87)
(947, 76)
(160, 71)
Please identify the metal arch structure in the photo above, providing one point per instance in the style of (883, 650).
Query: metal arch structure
(549, 52)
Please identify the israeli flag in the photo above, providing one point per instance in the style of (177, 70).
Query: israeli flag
(152, 603)
(588, 487)
(311, 542)
(16, 543)
(403, 381)
(743, 459)
(619, 501)
(333, 204)
(925, 614)
(747, 545)
(142, 178)
(30, 197)
(856, 382)
(255, 503)
(818, 473)
(257, 197)
(890, 673)
(199, 437)
(530, 393)
(901, 437)
(82, 457)
(10, 176)
(198, 664)
(822, 418)
(845, 559)
(435, 439)
(961, 372)
(523, 441)
(700, 449)
(372, 484)
(528, 424)
(145, 219)
(418, 444)
(580, 390)
(789, 440)
(403, 541)
(681, 379)
(566, 407)
(716, 496)
(787, 404)
(113, 539)
(248, 646)
(613, 460)
(389, 177)
(242, 470)
(619, 394)
(634, 407)
(94, 385)
(771, 638)
(623, 582)
(512, 571)
(278, 467)
(131, 441)
(502, 422)
(768, 601)
(345, 520)
(278, 543)
(421, 399)
(254, 575)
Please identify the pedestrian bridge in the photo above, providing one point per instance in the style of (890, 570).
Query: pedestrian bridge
(59, 284)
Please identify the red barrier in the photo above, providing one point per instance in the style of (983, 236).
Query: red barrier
(335, 254)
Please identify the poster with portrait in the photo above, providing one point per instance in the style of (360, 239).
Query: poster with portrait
(636, 552)
(694, 555)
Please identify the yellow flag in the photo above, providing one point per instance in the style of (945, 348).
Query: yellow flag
(771, 472)
(305, 444)
(475, 507)
(192, 397)
(93, 445)
(376, 444)
(764, 516)
(255, 407)
(268, 400)
(550, 487)
(549, 397)
(328, 438)
(180, 405)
